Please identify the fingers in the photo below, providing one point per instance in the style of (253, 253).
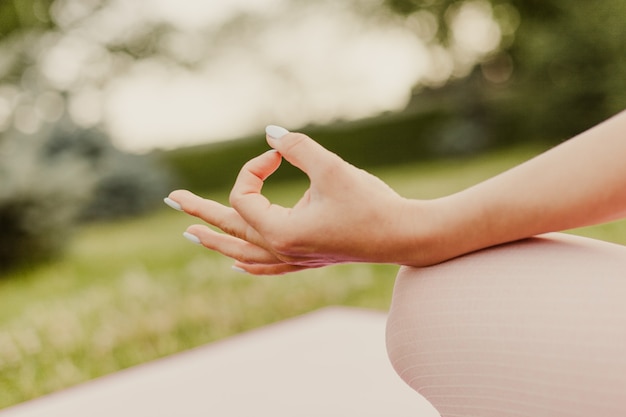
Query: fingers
(246, 198)
(249, 258)
(237, 249)
(253, 225)
(254, 172)
(300, 150)
(276, 269)
(241, 241)
(216, 214)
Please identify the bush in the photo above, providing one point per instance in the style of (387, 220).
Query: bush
(63, 175)
(39, 200)
(128, 185)
(125, 185)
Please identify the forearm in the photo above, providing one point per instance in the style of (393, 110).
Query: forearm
(348, 215)
(578, 183)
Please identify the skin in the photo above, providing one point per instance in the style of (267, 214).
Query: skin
(349, 215)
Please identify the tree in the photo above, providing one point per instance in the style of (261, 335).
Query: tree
(62, 176)
(54, 173)
(40, 200)
(567, 63)
(17, 15)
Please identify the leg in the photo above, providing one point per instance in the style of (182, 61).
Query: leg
(533, 328)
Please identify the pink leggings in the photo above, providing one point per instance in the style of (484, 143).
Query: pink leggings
(535, 328)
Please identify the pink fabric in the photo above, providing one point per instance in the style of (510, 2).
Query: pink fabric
(533, 328)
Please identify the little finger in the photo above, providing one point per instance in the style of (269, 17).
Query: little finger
(271, 269)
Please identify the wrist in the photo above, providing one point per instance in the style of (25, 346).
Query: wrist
(424, 238)
(438, 230)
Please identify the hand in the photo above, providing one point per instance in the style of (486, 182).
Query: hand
(346, 215)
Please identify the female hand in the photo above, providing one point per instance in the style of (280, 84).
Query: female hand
(346, 215)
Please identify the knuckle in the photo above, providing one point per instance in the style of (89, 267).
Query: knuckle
(243, 256)
(285, 246)
(194, 209)
(247, 166)
(229, 225)
(233, 198)
(236, 200)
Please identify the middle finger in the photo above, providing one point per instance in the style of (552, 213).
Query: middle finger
(218, 215)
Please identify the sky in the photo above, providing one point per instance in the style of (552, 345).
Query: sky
(291, 63)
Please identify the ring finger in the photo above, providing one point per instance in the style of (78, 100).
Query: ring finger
(233, 247)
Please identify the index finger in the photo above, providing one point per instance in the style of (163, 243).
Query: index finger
(246, 197)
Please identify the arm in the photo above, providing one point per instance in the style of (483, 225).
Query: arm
(348, 215)
(578, 183)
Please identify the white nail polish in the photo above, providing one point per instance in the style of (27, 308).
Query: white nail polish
(237, 269)
(173, 204)
(192, 238)
(275, 132)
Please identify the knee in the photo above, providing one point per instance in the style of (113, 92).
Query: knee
(405, 322)
(543, 310)
(407, 327)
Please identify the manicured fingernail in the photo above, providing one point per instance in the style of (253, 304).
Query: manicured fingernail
(192, 238)
(173, 204)
(237, 269)
(275, 132)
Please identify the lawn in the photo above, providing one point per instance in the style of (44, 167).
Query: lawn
(132, 291)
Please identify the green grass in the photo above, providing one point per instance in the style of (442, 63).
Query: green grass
(133, 291)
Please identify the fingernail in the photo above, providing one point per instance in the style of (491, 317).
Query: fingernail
(275, 132)
(192, 238)
(173, 204)
(237, 269)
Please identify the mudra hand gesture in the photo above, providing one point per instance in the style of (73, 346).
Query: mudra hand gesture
(346, 215)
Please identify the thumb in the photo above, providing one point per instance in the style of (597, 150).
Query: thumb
(300, 150)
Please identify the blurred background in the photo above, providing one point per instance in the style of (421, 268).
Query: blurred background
(106, 105)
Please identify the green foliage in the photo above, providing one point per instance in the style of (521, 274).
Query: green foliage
(572, 67)
(132, 291)
(125, 184)
(390, 139)
(568, 62)
(128, 185)
(568, 73)
(60, 176)
(18, 14)
(39, 200)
